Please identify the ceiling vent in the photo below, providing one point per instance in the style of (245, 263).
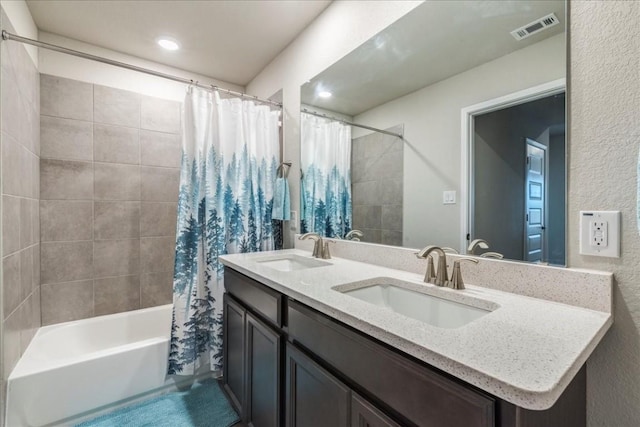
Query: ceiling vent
(535, 26)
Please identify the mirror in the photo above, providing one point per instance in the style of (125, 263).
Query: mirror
(470, 96)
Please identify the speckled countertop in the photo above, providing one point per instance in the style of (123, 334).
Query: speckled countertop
(526, 351)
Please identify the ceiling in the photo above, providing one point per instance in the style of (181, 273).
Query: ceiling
(435, 41)
(226, 40)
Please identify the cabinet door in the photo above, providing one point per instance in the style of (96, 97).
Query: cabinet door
(263, 346)
(233, 352)
(315, 398)
(364, 414)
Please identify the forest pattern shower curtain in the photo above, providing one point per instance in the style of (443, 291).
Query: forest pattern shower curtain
(229, 161)
(326, 176)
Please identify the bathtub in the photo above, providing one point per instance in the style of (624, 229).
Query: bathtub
(90, 365)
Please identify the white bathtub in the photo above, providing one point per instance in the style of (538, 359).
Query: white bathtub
(75, 368)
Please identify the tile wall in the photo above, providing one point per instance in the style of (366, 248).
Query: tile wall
(376, 186)
(20, 141)
(109, 190)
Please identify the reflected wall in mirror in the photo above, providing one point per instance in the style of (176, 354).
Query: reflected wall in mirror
(440, 183)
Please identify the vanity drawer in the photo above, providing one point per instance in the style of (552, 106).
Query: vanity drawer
(415, 392)
(262, 299)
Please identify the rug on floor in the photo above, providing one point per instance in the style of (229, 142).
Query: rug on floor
(203, 405)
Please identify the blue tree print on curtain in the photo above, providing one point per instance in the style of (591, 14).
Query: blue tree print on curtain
(326, 177)
(230, 151)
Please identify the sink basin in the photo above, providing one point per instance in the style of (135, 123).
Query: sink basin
(420, 306)
(291, 262)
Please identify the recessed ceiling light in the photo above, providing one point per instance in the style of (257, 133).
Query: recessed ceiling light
(168, 44)
(324, 94)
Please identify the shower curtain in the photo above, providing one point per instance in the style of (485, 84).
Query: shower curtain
(326, 176)
(229, 158)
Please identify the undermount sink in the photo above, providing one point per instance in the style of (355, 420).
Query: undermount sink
(291, 262)
(423, 307)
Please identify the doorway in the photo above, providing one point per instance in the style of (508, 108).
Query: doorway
(516, 178)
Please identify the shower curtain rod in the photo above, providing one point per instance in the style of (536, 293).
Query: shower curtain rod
(13, 37)
(386, 132)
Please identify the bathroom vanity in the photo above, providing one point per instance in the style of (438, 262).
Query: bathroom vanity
(304, 346)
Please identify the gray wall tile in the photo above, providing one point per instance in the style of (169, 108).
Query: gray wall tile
(11, 283)
(11, 342)
(28, 328)
(160, 115)
(367, 217)
(159, 184)
(116, 257)
(63, 302)
(98, 148)
(160, 149)
(156, 254)
(116, 220)
(66, 98)
(35, 174)
(116, 107)
(393, 238)
(26, 272)
(36, 267)
(117, 182)
(62, 179)
(66, 139)
(27, 237)
(158, 219)
(116, 144)
(156, 289)
(26, 179)
(116, 294)
(365, 193)
(10, 224)
(12, 175)
(66, 220)
(371, 235)
(391, 192)
(392, 217)
(11, 113)
(66, 261)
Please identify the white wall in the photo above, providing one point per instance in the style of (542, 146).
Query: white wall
(604, 138)
(342, 27)
(431, 118)
(63, 65)
(21, 19)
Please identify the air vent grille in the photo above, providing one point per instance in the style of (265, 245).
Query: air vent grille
(535, 26)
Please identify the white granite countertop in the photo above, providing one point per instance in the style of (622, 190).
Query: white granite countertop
(526, 351)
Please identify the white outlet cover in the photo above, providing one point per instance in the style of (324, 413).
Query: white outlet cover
(601, 227)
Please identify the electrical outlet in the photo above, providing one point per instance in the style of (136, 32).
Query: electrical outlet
(600, 233)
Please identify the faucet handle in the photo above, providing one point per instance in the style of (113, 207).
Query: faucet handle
(430, 276)
(326, 254)
(456, 281)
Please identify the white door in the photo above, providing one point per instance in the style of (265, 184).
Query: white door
(535, 187)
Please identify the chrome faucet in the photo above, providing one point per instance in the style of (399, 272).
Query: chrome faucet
(320, 247)
(354, 235)
(440, 278)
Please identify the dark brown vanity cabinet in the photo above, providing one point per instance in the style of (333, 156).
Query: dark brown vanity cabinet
(286, 364)
(314, 397)
(252, 358)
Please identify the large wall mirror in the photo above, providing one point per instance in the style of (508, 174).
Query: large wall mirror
(446, 127)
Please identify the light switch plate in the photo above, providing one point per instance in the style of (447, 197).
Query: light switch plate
(600, 233)
(449, 197)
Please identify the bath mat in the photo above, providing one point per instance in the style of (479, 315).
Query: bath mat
(203, 405)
